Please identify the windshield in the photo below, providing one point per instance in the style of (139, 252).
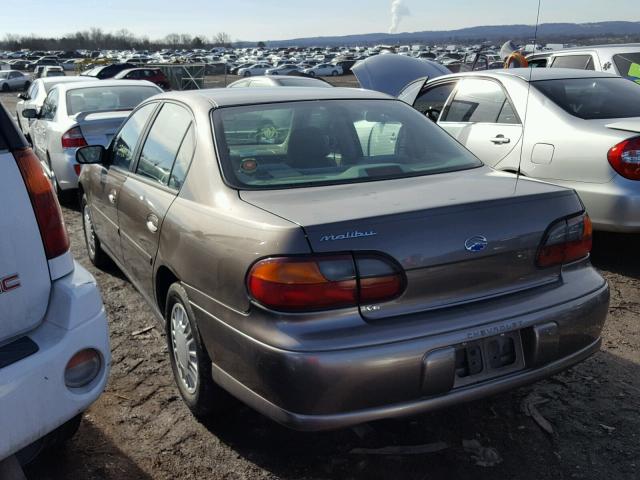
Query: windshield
(95, 99)
(628, 65)
(331, 142)
(593, 98)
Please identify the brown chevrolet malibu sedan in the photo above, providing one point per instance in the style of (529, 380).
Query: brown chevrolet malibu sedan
(331, 257)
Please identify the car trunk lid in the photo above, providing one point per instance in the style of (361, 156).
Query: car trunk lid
(459, 237)
(98, 128)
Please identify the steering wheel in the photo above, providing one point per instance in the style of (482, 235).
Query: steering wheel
(433, 114)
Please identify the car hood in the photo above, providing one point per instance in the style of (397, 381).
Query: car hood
(391, 73)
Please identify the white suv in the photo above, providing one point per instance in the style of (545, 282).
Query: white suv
(54, 339)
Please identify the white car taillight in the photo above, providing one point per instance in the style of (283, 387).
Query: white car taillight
(83, 368)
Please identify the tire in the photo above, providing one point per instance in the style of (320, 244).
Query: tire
(5, 87)
(197, 388)
(94, 251)
(246, 74)
(312, 74)
(334, 73)
(27, 84)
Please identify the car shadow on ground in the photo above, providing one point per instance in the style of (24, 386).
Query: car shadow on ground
(90, 455)
(617, 253)
(513, 444)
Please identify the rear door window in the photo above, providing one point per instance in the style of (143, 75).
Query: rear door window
(124, 144)
(479, 101)
(50, 106)
(580, 62)
(163, 143)
(628, 65)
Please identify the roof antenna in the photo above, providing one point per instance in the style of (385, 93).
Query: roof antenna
(526, 111)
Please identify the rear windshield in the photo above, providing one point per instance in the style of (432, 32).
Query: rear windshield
(331, 142)
(628, 65)
(95, 99)
(594, 98)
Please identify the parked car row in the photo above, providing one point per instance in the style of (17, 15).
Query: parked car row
(288, 239)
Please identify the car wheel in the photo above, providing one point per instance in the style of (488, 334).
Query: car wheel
(27, 84)
(274, 73)
(190, 361)
(94, 251)
(334, 73)
(247, 74)
(312, 74)
(5, 87)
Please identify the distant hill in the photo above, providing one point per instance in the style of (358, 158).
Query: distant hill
(547, 33)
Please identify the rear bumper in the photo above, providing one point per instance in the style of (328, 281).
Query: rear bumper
(34, 399)
(335, 389)
(63, 167)
(612, 206)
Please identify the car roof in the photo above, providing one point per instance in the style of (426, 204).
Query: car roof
(122, 73)
(69, 79)
(107, 83)
(626, 47)
(535, 74)
(226, 97)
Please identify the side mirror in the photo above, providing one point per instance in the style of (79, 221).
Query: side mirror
(30, 113)
(91, 154)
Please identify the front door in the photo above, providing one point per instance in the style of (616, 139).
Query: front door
(105, 187)
(148, 193)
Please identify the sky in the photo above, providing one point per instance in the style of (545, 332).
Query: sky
(256, 20)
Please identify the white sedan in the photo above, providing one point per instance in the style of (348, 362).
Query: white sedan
(34, 98)
(285, 69)
(13, 80)
(324, 70)
(257, 69)
(77, 114)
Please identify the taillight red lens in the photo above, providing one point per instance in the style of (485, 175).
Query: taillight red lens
(566, 241)
(625, 158)
(322, 282)
(73, 138)
(45, 203)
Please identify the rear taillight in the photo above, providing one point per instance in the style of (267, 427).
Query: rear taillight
(45, 203)
(73, 138)
(323, 282)
(625, 158)
(566, 241)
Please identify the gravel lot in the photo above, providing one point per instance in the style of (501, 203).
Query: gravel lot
(140, 429)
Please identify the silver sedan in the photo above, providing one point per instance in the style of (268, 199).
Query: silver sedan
(578, 129)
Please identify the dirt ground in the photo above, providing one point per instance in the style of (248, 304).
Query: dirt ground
(140, 429)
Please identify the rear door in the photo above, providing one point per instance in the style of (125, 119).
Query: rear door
(40, 128)
(106, 182)
(481, 116)
(148, 193)
(24, 274)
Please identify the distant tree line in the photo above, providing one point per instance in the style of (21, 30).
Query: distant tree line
(97, 39)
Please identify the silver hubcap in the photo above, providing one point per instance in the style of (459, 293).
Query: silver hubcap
(184, 348)
(89, 234)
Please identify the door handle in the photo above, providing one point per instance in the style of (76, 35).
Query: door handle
(112, 197)
(152, 223)
(500, 140)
